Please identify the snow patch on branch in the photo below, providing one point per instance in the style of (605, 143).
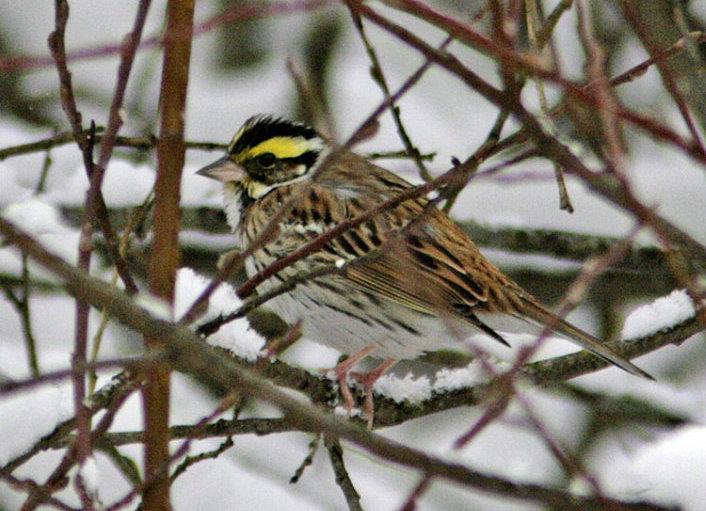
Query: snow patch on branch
(448, 380)
(30, 415)
(236, 336)
(410, 389)
(662, 314)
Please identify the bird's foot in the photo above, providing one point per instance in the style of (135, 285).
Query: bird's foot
(368, 381)
(342, 371)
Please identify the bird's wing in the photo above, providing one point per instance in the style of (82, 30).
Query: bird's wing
(419, 258)
(413, 255)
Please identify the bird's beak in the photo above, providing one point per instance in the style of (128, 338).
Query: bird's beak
(223, 170)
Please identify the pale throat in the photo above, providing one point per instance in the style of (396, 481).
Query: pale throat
(233, 207)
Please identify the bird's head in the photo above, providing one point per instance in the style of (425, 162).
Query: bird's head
(265, 153)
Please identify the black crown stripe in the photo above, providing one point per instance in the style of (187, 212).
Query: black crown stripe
(259, 128)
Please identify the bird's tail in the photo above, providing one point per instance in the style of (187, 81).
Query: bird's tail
(544, 317)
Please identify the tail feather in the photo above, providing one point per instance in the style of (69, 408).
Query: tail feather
(539, 314)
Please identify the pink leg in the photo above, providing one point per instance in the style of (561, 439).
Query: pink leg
(342, 371)
(368, 381)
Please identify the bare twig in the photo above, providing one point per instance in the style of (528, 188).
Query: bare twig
(236, 12)
(10, 386)
(343, 479)
(188, 353)
(207, 455)
(21, 304)
(307, 461)
(82, 447)
(379, 77)
(533, 21)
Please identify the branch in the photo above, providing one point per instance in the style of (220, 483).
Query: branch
(237, 12)
(164, 259)
(189, 354)
(603, 184)
(343, 480)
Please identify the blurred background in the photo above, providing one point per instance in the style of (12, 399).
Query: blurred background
(251, 58)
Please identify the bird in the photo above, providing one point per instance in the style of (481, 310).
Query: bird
(403, 282)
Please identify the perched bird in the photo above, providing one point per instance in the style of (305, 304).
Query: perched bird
(408, 280)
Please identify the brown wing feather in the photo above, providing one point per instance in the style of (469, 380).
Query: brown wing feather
(429, 265)
(432, 266)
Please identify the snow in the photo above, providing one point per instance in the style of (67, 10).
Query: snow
(662, 314)
(342, 411)
(34, 215)
(448, 380)
(197, 191)
(124, 184)
(413, 390)
(10, 190)
(668, 470)
(200, 239)
(42, 220)
(236, 336)
(38, 411)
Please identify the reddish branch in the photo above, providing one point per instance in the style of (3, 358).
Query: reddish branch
(603, 184)
(94, 208)
(236, 12)
(189, 354)
(164, 259)
(520, 63)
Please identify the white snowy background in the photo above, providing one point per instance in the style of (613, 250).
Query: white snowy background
(666, 466)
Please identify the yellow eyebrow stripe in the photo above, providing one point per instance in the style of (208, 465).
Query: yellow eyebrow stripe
(281, 147)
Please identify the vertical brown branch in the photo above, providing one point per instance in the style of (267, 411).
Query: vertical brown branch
(165, 255)
(82, 447)
(94, 208)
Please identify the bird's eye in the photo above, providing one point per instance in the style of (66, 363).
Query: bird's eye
(266, 160)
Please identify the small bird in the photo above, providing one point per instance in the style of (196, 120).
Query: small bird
(408, 280)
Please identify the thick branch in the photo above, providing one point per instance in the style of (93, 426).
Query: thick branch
(189, 354)
(164, 259)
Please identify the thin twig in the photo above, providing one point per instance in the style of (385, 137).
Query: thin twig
(235, 12)
(379, 77)
(188, 353)
(410, 82)
(10, 386)
(307, 461)
(21, 304)
(202, 456)
(81, 448)
(343, 479)
(533, 22)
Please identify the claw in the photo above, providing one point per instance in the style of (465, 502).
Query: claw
(368, 381)
(342, 371)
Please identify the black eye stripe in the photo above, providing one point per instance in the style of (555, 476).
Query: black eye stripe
(307, 159)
